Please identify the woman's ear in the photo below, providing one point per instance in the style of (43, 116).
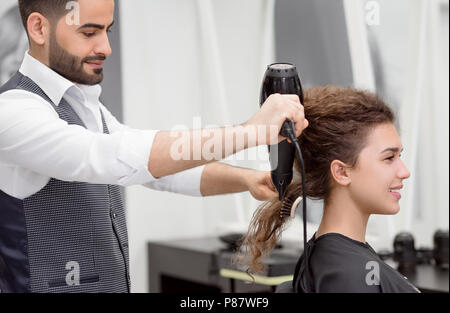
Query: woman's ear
(340, 173)
(38, 28)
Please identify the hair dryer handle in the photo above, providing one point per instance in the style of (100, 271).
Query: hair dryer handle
(281, 157)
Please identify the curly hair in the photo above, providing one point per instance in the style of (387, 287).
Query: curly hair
(340, 120)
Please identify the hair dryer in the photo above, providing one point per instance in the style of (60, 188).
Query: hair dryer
(281, 78)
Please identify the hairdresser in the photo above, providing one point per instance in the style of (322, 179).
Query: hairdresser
(63, 156)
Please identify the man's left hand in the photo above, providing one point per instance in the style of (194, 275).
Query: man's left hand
(260, 185)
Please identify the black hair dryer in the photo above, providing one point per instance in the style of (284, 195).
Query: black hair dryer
(281, 78)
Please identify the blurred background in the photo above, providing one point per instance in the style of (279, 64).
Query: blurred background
(178, 62)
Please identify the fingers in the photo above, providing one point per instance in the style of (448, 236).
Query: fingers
(300, 129)
(270, 183)
(293, 98)
(297, 114)
(286, 97)
(296, 106)
(300, 122)
(277, 109)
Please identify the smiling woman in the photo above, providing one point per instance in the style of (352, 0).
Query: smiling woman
(351, 151)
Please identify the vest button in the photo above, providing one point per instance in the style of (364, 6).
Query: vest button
(114, 215)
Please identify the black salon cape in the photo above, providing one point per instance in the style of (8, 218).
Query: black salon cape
(340, 264)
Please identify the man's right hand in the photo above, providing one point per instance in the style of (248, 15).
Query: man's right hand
(275, 110)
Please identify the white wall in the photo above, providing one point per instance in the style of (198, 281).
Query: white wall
(6, 5)
(174, 69)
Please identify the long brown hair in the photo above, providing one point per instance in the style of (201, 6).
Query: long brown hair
(339, 122)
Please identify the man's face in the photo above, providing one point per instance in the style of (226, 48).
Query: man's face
(77, 52)
(379, 171)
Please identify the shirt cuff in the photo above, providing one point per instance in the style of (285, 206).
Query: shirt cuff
(134, 152)
(185, 182)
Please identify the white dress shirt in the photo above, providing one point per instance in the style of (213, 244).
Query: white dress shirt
(36, 145)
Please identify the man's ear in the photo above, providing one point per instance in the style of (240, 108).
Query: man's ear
(38, 28)
(340, 173)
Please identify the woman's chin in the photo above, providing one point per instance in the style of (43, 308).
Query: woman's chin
(388, 210)
(393, 210)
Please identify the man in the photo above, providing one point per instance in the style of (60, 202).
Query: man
(63, 155)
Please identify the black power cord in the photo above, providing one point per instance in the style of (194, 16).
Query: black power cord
(289, 129)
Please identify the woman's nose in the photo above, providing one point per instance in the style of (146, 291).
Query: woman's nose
(403, 171)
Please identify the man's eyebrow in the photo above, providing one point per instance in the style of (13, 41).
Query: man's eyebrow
(392, 149)
(93, 25)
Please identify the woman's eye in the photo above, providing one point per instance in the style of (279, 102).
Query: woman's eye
(390, 158)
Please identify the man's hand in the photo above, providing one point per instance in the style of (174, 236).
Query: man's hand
(219, 178)
(260, 185)
(274, 112)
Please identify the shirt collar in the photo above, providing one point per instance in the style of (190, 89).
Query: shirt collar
(53, 84)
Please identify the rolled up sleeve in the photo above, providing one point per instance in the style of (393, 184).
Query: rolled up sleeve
(186, 182)
(134, 152)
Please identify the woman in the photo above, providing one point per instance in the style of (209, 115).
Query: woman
(351, 151)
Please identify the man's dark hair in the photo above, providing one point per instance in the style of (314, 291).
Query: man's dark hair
(51, 9)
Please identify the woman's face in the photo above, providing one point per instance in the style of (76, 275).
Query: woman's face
(378, 177)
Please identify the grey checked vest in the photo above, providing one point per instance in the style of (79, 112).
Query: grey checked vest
(68, 237)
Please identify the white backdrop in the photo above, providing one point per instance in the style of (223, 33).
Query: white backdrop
(6, 5)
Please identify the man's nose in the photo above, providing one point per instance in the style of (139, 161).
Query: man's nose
(103, 46)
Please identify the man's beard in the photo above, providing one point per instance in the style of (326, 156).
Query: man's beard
(71, 66)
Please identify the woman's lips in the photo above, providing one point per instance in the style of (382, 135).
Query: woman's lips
(396, 195)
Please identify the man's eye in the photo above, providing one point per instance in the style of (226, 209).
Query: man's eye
(390, 158)
(89, 34)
